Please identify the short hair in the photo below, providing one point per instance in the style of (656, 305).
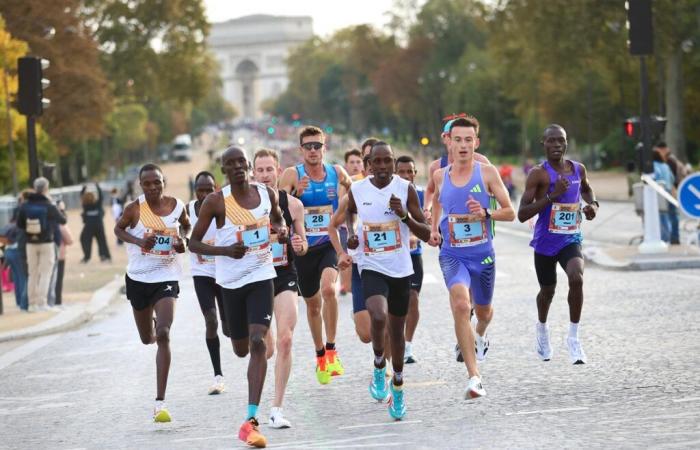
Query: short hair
(204, 173)
(365, 161)
(553, 126)
(41, 185)
(380, 144)
(661, 144)
(405, 159)
(263, 152)
(369, 141)
(149, 166)
(355, 152)
(467, 122)
(310, 131)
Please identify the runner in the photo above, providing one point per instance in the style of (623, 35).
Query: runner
(208, 292)
(554, 190)
(467, 258)
(354, 167)
(383, 203)
(244, 213)
(153, 228)
(319, 186)
(266, 170)
(406, 169)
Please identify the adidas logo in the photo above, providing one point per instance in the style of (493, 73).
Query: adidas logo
(476, 188)
(487, 260)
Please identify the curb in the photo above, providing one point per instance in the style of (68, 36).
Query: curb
(71, 317)
(598, 257)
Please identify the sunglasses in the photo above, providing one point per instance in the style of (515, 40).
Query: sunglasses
(312, 145)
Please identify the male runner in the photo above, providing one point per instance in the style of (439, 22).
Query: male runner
(319, 186)
(153, 227)
(266, 170)
(204, 276)
(554, 190)
(354, 168)
(353, 162)
(467, 258)
(383, 203)
(245, 213)
(406, 169)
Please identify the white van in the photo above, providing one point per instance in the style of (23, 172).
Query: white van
(182, 148)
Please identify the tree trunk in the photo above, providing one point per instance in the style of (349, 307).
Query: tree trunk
(675, 136)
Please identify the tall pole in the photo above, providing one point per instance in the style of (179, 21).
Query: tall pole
(10, 141)
(31, 149)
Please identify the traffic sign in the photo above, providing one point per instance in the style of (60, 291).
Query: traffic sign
(689, 195)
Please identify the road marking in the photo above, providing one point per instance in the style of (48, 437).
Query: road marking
(425, 383)
(501, 274)
(207, 438)
(336, 443)
(686, 399)
(651, 418)
(545, 411)
(33, 408)
(27, 349)
(43, 398)
(58, 376)
(381, 424)
(429, 278)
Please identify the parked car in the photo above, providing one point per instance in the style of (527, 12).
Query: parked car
(182, 148)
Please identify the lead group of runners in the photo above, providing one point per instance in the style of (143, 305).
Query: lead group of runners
(256, 245)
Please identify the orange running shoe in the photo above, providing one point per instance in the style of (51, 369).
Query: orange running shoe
(249, 434)
(335, 367)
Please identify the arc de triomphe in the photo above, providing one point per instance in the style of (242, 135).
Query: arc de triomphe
(251, 52)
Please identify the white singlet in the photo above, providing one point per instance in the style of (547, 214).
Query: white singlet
(202, 265)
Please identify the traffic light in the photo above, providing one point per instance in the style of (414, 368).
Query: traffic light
(639, 21)
(31, 101)
(633, 127)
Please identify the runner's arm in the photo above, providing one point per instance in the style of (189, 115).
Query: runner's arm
(529, 207)
(185, 224)
(288, 181)
(505, 213)
(276, 219)
(212, 208)
(336, 221)
(430, 188)
(587, 194)
(436, 206)
(128, 219)
(343, 178)
(296, 210)
(415, 220)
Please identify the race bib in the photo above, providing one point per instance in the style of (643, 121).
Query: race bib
(206, 259)
(466, 230)
(165, 239)
(256, 237)
(279, 252)
(317, 219)
(381, 237)
(565, 218)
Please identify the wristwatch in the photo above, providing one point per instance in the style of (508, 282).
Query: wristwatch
(595, 202)
(487, 212)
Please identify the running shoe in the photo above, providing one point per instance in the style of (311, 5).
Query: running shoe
(322, 374)
(482, 346)
(474, 389)
(576, 353)
(397, 407)
(218, 387)
(249, 434)
(160, 412)
(544, 347)
(408, 354)
(277, 420)
(378, 388)
(335, 367)
(458, 354)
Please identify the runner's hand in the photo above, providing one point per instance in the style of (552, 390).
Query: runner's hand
(353, 242)
(282, 234)
(344, 261)
(590, 211)
(297, 244)
(179, 245)
(435, 239)
(427, 213)
(562, 185)
(148, 242)
(236, 251)
(302, 185)
(395, 205)
(475, 207)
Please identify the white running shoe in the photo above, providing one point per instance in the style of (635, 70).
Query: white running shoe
(544, 347)
(277, 420)
(408, 354)
(482, 346)
(474, 389)
(218, 387)
(576, 353)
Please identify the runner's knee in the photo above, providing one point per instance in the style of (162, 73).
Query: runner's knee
(547, 292)
(257, 343)
(163, 334)
(284, 343)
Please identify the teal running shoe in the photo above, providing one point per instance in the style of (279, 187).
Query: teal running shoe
(378, 388)
(397, 407)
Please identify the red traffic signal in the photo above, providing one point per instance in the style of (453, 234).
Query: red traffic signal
(632, 127)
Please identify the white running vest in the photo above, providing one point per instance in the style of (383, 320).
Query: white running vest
(202, 265)
(384, 239)
(252, 227)
(162, 262)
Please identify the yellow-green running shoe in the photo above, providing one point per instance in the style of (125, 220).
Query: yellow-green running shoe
(322, 374)
(160, 412)
(335, 367)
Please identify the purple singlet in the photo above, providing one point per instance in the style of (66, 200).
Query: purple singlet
(559, 223)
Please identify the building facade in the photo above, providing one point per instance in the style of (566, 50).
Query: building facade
(251, 52)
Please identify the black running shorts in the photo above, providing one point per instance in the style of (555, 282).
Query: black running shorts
(249, 304)
(546, 266)
(286, 280)
(209, 295)
(142, 295)
(311, 266)
(395, 290)
(417, 277)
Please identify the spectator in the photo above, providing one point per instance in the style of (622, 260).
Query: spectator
(38, 217)
(13, 239)
(663, 176)
(506, 173)
(93, 223)
(117, 208)
(353, 162)
(679, 171)
(65, 238)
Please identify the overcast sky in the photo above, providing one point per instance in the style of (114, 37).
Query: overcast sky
(328, 16)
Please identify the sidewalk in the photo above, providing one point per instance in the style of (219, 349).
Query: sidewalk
(88, 288)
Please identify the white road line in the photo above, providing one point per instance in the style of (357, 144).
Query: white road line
(651, 418)
(207, 438)
(381, 424)
(545, 411)
(27, 349)
(686, 399)
(336, 443)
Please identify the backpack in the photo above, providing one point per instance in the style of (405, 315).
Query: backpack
(37, 219)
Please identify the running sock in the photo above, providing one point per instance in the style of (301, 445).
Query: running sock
(398, 378)
(214, 354)
(321, 352)
(252, 411)
(379, 361)
(159, 399)
(541, 326)
(330, 345)
(573, 330)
